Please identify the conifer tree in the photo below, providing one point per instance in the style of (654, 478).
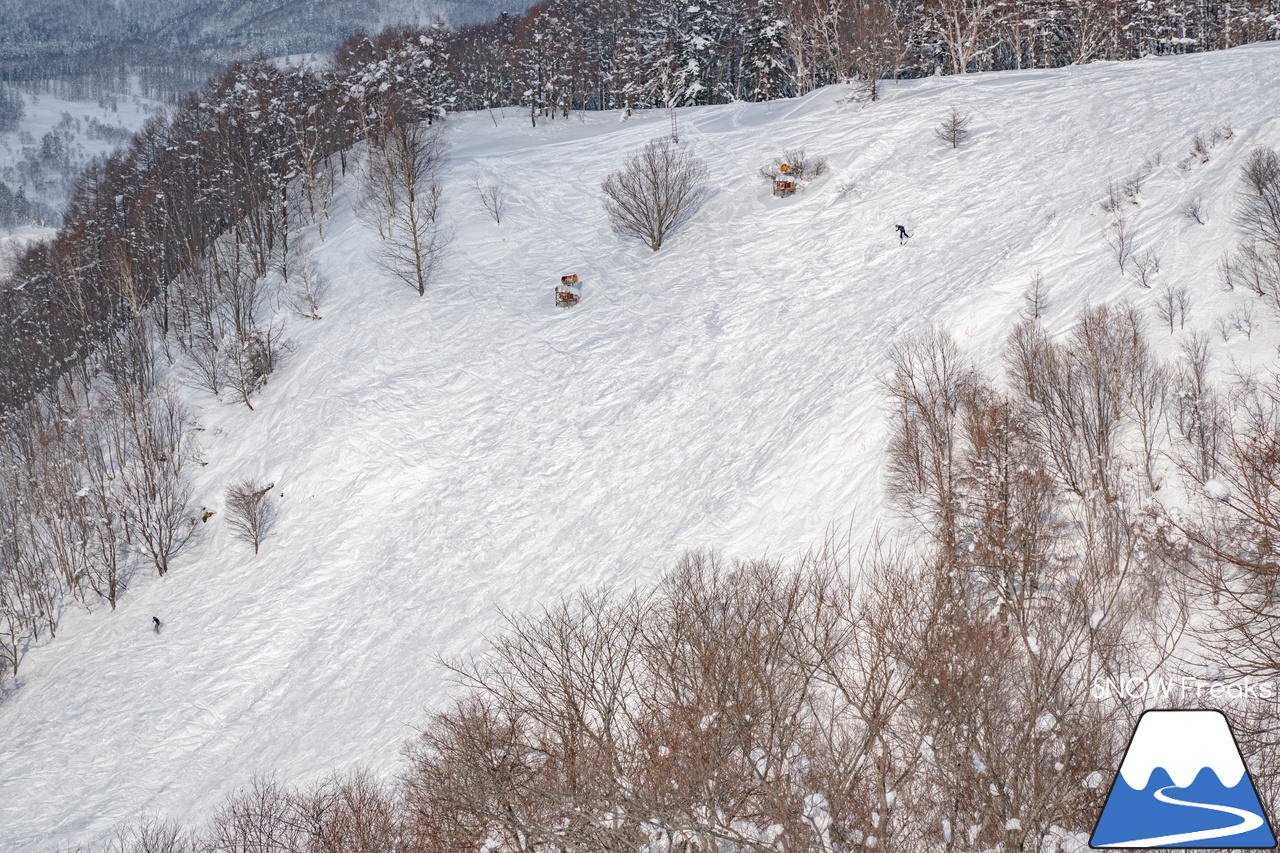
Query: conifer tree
(764, 64)
(697, 43)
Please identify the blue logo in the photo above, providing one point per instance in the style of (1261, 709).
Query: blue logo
(1182, 783)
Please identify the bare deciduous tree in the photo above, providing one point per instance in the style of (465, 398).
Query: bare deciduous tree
(153, 836)
(658, 190)
(262, 818)
(493, 196)
(1258, 267)
(402, 199)
(249, 511)
(1145, 267)
(928, 387)
(876, 47)
(1201, 418)
(1244, 320)
(1172, 305)
(1258, 207)
(1194, 209)
(151, 439)
(1034, 296)
(1235, 527)
(1120, 238)
(250, 360)
(308, 285)
(1077, 391)
(954, 128)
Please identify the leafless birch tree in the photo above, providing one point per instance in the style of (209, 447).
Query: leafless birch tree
(402, 199)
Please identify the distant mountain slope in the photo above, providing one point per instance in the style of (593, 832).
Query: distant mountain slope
(439, 458)
(268, 26)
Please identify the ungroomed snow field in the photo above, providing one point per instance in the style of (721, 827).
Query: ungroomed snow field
(438, 459)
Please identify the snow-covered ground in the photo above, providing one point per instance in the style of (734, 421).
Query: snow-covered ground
(439, 458)
(84, 130)
(14, 240)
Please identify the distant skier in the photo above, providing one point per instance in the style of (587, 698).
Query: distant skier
(902, 234)
(155, 620)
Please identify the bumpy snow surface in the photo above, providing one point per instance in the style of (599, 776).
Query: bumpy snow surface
(439, 458)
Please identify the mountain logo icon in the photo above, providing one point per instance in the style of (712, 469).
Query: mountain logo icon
(1183, 783)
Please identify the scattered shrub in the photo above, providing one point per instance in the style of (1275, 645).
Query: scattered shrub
(802, 166)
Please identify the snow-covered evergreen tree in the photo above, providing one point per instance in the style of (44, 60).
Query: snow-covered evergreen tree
(765, 70)
(696, 46)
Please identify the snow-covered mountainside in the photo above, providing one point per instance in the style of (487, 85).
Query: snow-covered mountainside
(438, 459)
(57, 138)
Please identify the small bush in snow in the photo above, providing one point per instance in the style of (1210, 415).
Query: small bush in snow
(1133, 187)
(1200, 148)
(1113, 201)
(1194, 209)
(801, 166)
(848, 188)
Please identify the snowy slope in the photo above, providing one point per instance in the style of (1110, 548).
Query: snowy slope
(20, 149)
(439, 458)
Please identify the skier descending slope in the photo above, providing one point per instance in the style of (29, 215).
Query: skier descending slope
(902, 234)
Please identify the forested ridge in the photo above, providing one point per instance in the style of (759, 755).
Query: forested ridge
(228, 154)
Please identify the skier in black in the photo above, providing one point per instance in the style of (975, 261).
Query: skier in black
(156, 621)
(902, 234)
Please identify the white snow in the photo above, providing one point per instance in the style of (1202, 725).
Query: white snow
(438, 458)
(43, 113)
(1183, 743)
(1217, 490)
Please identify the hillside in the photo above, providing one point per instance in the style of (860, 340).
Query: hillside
(227, 26)
(56, 140)
(439, 459)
